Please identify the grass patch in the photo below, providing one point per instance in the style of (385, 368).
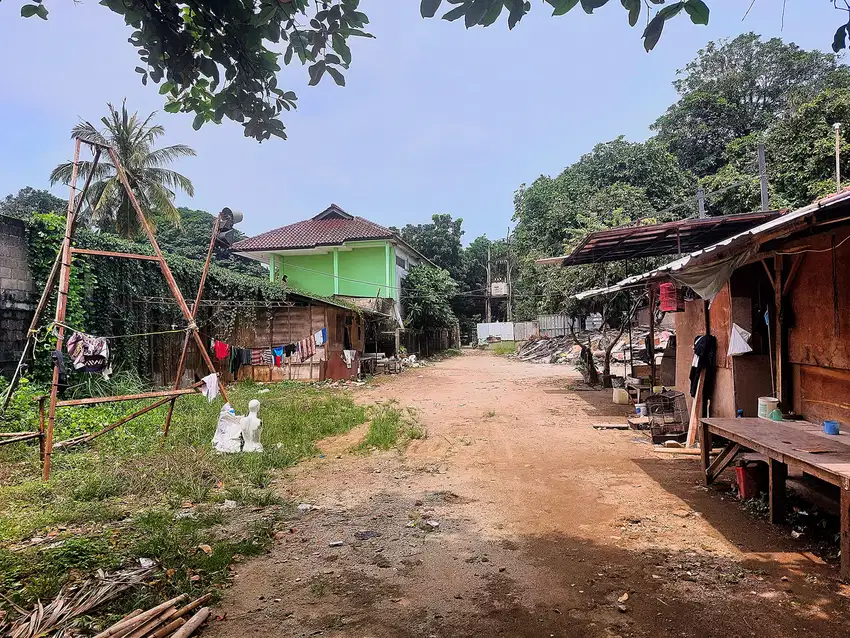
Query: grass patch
(392, 426)
(128, 495)
(503, 347)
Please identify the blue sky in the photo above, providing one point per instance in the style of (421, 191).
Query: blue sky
(435, 118)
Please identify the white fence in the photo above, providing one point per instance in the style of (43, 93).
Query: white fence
(559, 325)
(520, 331)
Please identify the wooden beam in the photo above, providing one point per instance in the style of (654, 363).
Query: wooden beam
(845, 533)
(778, 476)
(780, 348)
(722, 461)
(126, 397)
(650, 343)
(769, 274)
(110, 253)
(795, 267)
(705, 452)
(696, 412)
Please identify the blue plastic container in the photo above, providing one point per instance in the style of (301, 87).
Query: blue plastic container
(831, 427)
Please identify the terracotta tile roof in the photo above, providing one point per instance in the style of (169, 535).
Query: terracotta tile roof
(332, 227)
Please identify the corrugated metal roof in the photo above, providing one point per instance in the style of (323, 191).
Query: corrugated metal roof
(777, 228)
(669, 238)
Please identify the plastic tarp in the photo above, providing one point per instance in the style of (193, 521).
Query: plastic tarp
(707, 280)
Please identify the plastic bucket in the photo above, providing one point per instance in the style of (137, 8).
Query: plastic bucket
(766, 406)
(621, 397)
(831, 427)
(640, 409)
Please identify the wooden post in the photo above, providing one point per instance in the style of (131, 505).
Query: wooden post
(650, 344)
(778, 475)
(705, 453)
(779, 337)
(41, 426)
(182, 363)
(845, 531)
(61, 307)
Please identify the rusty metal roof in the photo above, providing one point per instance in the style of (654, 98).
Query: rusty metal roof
(669, 238)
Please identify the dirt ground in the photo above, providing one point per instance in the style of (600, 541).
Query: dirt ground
(515, 517)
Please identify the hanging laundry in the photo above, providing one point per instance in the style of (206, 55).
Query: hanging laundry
(268, 360)
(210, 387)
(89, 353)
(705, 354)
(321, 336)
(348, 357)
(277, 355)
(239, 357)
(256, 356)
(221, 349)
(289, 350)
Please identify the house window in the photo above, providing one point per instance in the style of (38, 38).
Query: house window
(400, 262)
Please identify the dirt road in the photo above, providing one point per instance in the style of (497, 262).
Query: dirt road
(516, 518)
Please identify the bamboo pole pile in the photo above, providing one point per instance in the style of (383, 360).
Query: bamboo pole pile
(165, 620)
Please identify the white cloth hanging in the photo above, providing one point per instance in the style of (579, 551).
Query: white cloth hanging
(739, 343)
(210, 387)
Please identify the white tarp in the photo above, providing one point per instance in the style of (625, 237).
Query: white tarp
(502, 330)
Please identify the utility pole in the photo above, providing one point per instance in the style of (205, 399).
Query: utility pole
(837, 127)
(488, 315)
(508, 272)
(701, 202)
(765, 198)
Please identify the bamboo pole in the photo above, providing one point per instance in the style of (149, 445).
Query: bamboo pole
(169, 628)
(139, 619)
(194, 622)
(61, 307)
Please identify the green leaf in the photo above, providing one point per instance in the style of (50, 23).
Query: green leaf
(562, 6)
(652, 33)
(428, 8)
(338, 77)
(671, 10)
(167, 88)
(198, 122)
(172, 107)
(493, 13)
(633, 7)
(455, 13)
(29, 10)
(476, 12)
(698, 11)
(41, 12)
(590, 5)
(840, 40)
(316, 72)
(341, 47)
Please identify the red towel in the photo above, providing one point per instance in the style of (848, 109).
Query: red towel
(221, 349)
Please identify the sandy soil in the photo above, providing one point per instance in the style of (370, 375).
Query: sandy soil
(516, 518)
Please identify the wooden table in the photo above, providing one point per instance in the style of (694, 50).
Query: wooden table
(784, 444)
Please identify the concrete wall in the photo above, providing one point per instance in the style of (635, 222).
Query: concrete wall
(16, 293)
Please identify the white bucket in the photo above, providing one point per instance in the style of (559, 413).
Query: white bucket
(621, 397)
(640, 409)
(766, 406)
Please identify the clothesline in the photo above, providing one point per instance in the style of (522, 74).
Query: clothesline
(271, 356)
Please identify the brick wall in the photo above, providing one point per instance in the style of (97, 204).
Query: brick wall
(17, 293)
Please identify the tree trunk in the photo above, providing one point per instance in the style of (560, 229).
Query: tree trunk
(591, 375)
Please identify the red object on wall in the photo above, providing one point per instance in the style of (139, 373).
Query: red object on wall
(671, 299)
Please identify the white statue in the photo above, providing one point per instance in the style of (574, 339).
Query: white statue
(251, 426)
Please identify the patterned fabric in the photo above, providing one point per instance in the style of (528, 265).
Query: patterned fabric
(256, 356)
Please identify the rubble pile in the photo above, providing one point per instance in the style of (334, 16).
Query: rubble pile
(565, 349)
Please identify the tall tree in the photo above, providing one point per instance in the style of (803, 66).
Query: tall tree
(439, 241)
(426, 294)
(133, 140)
(738, 87)
(30, 200)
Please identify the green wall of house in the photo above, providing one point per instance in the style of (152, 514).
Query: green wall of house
(363, 271)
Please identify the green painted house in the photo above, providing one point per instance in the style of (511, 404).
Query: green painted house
(335, 254)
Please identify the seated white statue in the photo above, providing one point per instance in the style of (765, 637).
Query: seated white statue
(251, 426)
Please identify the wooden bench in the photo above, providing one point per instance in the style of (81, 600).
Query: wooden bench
(784, 444)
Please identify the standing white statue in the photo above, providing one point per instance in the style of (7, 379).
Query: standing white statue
(251, 426)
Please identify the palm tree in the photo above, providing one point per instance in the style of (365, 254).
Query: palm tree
(107, 205)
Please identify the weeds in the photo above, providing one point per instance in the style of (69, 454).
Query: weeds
(503, 348)
(392, 426)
